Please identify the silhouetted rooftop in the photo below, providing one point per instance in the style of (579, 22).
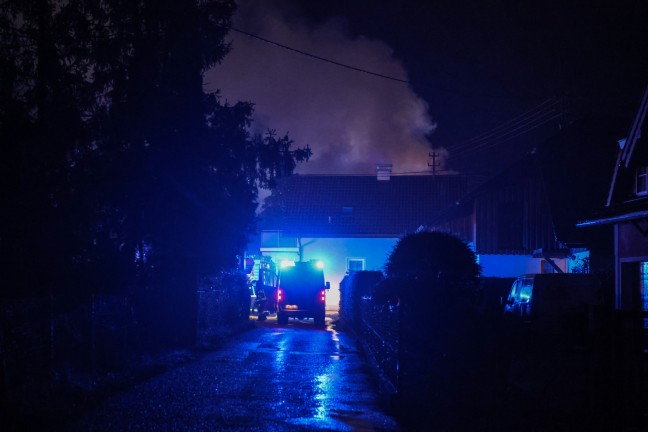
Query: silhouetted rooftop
(360, 206)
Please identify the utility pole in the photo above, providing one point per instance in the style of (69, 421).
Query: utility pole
(433, 155)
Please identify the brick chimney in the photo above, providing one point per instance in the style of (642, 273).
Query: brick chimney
(383, 171)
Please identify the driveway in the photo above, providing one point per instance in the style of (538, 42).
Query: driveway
(292, 377)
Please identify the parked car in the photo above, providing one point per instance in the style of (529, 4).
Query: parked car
(554, 303)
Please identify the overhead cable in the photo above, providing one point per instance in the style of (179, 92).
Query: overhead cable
(357, 69)
(544, 108)
(493, 143)
(524, 127)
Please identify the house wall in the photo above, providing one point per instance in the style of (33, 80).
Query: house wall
(514, 219)
(514, 265)
(507, 220)
(334, 253)
(631, 250)
(630, 242)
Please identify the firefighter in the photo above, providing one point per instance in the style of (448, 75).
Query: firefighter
(261, 301)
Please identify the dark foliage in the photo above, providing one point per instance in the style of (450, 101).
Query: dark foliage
(442, 346)
(120, 178)
(433, 263)
(119, 172)
(60, 358)
(224, 305)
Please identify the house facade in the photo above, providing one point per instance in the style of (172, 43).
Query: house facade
(626, 210)
(523, 220)
(351, 222)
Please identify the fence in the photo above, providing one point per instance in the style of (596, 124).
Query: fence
(53, 345)
(223, 307)
(58, 353)
(603, 381)
(375, 324)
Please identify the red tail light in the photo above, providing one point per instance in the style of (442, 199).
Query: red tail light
(323, 296)
(279, 295)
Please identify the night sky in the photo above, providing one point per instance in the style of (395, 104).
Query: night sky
(486, 81)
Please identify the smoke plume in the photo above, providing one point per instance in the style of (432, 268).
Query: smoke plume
(351, 120)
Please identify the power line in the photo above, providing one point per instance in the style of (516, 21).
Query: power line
(492, 144)
(315, 56)
(373, 174)
(505, 128)
(533, 112)
(487, 146)
(526, 126)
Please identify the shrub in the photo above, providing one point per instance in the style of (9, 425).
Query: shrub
(434, 275)
(439, 263)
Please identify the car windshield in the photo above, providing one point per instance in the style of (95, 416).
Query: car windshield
(526, 288)
(521, 290)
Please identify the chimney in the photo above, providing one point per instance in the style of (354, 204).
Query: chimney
(383, 171)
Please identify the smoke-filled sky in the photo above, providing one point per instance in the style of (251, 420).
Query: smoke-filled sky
(351, 120)
(487, 80)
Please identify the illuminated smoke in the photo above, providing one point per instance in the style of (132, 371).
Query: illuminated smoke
(351, 120)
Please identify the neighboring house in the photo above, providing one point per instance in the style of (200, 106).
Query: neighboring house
(524, 219)
(351, 222)
(626, 209)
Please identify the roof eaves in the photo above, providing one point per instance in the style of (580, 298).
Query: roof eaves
(614, 219)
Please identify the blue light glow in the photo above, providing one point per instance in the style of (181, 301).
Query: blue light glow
(322, 398)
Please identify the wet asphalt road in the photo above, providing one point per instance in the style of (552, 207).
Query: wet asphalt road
(292, 377)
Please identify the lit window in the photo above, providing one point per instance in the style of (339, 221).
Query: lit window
(643, 282)
(641, 186)
(355, 264)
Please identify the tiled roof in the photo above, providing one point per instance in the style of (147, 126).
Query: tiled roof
(360, 206)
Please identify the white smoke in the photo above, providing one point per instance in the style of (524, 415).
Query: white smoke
(351, 120)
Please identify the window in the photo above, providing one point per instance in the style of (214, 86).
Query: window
(521, 290)
(277, 240)
(641, 185)
(643, 282)
(546, 267)
(355, 264)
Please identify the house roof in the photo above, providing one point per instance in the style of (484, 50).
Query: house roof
(622, 202)
(626, 151)
(568, 167)
(630, 211)
(359, 206)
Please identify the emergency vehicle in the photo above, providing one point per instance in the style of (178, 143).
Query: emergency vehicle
(301, 292)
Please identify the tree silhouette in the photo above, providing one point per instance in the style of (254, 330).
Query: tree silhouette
(120, 173)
